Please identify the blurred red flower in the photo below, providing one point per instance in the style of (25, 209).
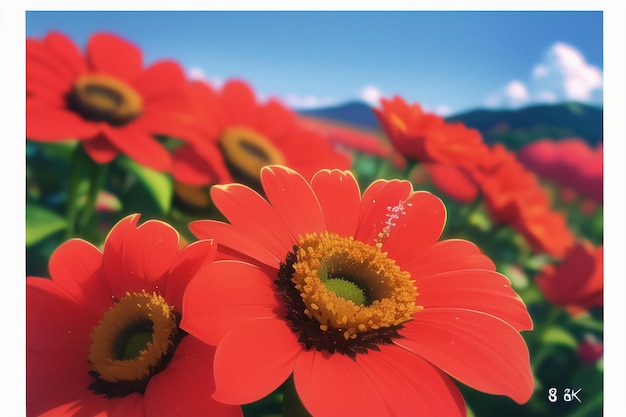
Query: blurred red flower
(356, 297)
(105, 99)
(567, 162)
(240, 136)
(577, 282)
(102, 335)
(591, 349)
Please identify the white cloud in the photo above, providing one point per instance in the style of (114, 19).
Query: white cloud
(562, 75)
(371, 95)
(308, 101)
(514, 94)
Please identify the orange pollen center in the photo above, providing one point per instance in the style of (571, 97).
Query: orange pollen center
(100, 97)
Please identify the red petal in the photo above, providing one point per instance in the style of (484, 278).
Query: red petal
(339, 197)
(100, 149)
(418, 228)
(160, 79)
(275, 120)
(138, 258)
(233, 238)
(47, 123)
(112, 55)
(335, 385)
(187, 263)
(445, 256)
(140, 146)
(76, 267)
(253, 360)
(294, 200)
(55, 320)
(192, 168)
(225, 295)
(380, 195)
(485, 291)
(477, 349)
(453, 181)
(247, 210)
(239, 105)
(411, 386)
(182, 388)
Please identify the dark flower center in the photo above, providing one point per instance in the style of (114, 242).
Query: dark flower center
(135, 339)
(246, 152)
(343, 295)
(100, 98)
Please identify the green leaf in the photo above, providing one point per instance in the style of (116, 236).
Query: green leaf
(41, 223)
(559, 336)
(159, 184)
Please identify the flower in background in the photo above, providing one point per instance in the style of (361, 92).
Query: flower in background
(591, 349)
(105, 99)
(356, 297)
(102, 336)
(240, 136)
(513, 195)
(450, 151)
(577, 282)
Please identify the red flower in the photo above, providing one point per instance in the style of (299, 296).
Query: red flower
(241, 135)
(105, 99)
(577, 283)
(102, 336)
(356, 297)
(591, 349)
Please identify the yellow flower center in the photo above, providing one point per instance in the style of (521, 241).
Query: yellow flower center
(247, 151)
(134, 340)
(102, 98)
(350, 286)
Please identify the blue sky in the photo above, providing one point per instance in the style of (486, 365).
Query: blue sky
(447, 61)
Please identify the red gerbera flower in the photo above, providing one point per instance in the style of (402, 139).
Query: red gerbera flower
(105, 99)
(577, 283)
(356, 297)
(241, 135)
(102, 335)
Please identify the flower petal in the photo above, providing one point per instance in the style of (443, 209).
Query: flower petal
(445, 256)
(293, 199)
(68, 328)
(238, 104)
(477, 349)
(76, 267)
(335, 385)
(339, 197)
(486, 291)
(253, 360)
(181, 389)
(138, 258)
(159, 79)
(275, 121)
(100, 149)
(247, 210)
(110, 54)
(187, 263)
(225, 295)
(139, 146)
(195, 168)
(411, 386)
(230, 237)
(47, 123)
(418, 228)
(377, 201)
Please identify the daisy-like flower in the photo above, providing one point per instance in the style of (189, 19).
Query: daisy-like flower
(577, 282)
(356, 297)
(105, 98)
(241, 135)
(103, 336)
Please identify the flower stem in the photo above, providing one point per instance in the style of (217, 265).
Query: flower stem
(292, 406)
(79, 158)
(544, 349)
(98, 177)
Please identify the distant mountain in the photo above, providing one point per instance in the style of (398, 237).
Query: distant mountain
(513, 128)
(516, 128)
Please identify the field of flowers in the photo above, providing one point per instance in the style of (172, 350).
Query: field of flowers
(196, 251)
